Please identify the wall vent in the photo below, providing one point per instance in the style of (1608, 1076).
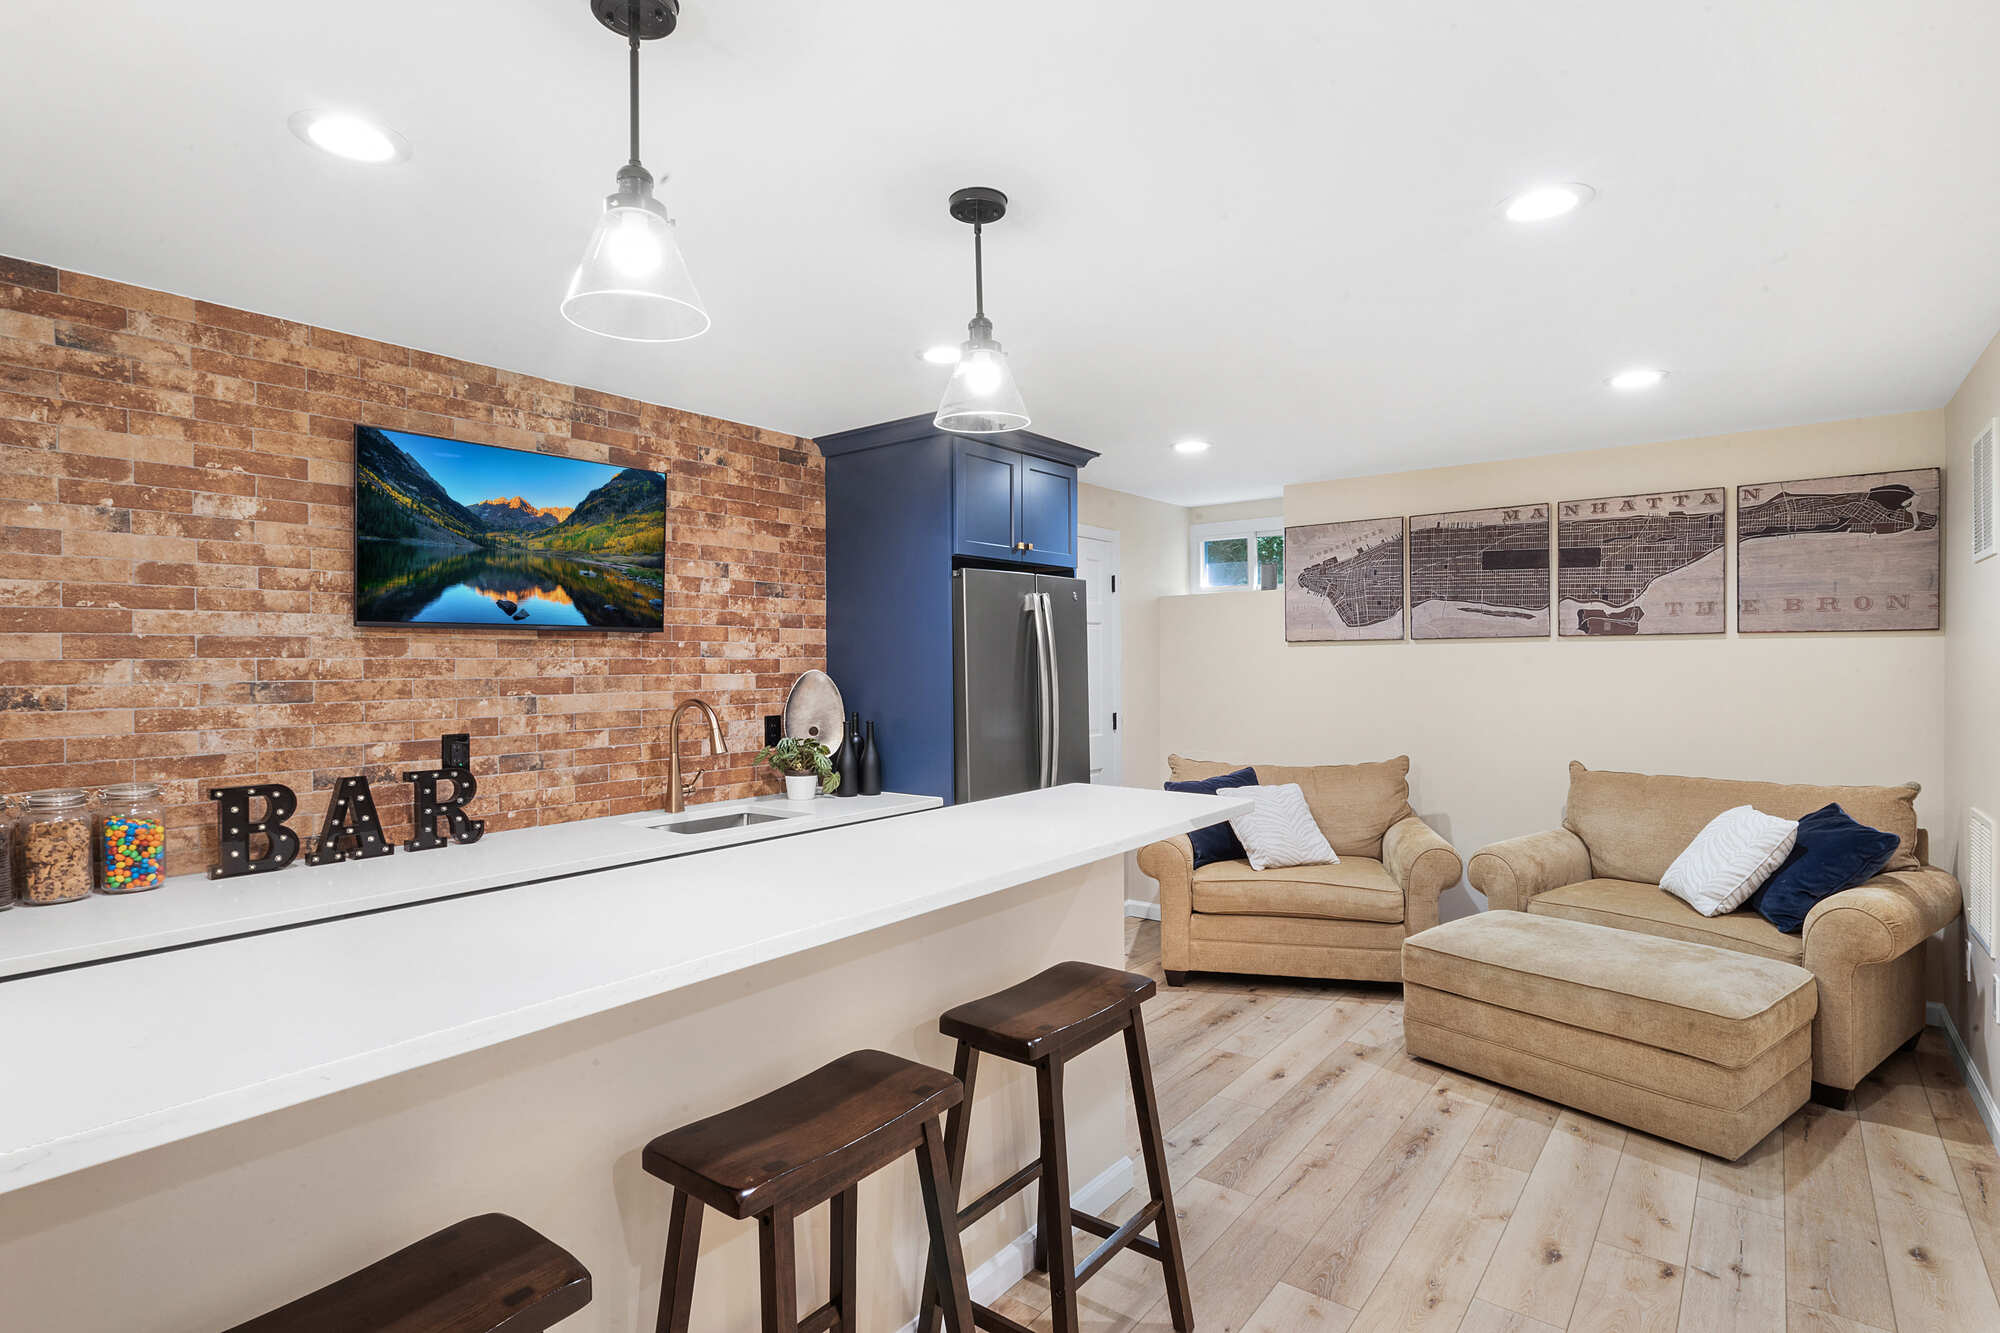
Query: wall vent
(1978, 878)
(1984, 477)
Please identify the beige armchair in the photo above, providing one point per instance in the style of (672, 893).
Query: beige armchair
(1346, 920)
(1622, 830)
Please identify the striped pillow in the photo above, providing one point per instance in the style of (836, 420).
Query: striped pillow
(1730, 859)
(1279, 830)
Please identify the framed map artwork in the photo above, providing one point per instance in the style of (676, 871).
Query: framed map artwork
(1839, 553)
(1480, 574)
(1642, 564)
(1344, 581)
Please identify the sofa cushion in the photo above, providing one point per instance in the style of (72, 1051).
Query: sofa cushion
(1356, 888)
(1651, 910)
(1218, 841)
(1278, 831)
(1722, 1007)
(1833, 853)
(1635, 824)
(1730, 859)
(1353, 804)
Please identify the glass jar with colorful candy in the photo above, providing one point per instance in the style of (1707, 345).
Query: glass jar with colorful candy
(131, 838)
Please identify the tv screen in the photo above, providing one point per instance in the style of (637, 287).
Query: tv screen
(447, 533)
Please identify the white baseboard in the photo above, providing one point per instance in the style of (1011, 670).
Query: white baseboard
(1145, 911)
(1016, 1259)
(1982, 1096)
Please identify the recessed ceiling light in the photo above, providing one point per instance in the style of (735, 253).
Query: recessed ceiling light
(1191, 446)
(350, 137)
(1639, 377)
(944, 354)
(1548, 201)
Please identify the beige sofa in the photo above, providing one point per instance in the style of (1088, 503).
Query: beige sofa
(1622, 830)
(1346, 920)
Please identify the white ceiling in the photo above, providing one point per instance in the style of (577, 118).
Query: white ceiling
(1273, 225)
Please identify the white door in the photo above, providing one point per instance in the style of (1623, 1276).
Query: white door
(1097, 566)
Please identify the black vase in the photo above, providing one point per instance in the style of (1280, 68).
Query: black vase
(847, 763)
(871, 762)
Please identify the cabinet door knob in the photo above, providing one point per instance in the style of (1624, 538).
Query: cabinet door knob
(1029, 545)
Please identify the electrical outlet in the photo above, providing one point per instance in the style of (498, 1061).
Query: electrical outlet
(774, 731)
(1968, 960)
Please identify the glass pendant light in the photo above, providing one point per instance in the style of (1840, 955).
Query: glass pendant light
(981, 398)
(633, 282)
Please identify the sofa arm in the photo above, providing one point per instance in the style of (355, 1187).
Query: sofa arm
(1170, 863)
(1511, 873)
(1423, 865)
(1880, 921)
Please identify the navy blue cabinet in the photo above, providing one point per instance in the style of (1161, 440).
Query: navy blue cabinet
(986, 500)
(907, 503)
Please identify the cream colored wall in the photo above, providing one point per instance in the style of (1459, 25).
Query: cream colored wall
(1971, 704)
(1490, 725)
(1241, 509)
(1152, 565)
(1153, 560)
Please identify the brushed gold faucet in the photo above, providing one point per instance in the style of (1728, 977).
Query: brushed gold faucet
(677, 794)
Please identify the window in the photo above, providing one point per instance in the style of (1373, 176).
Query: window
(1244, 554)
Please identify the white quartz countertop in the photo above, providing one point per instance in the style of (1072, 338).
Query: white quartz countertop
(134, 1052)
(189, 908)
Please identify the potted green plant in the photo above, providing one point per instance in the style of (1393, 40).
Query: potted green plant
(805, 764)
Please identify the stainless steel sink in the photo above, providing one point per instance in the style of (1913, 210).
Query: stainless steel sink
(713, 823)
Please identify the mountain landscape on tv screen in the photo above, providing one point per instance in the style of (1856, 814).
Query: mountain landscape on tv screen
(424, 555)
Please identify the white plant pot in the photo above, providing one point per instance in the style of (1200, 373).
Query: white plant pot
(801, 786)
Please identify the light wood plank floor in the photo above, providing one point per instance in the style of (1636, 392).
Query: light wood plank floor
(1326, 1182)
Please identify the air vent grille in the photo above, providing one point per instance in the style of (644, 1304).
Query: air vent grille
(1978, 878)
(1983, 479)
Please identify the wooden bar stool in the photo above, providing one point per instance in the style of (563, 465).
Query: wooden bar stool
(1043, 1022)
(812, 1140)
(487, 1274)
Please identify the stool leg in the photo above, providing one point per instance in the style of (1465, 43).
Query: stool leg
(683, 1247)
(1053, 1235)
(1147, 1103)
(947, 1263)
(845, 1224)
(965, 1068)
(778, 1272)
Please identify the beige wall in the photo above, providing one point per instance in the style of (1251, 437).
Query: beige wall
(1153, 563)
(1971, 707)
(1240, 509)
(1491, 725)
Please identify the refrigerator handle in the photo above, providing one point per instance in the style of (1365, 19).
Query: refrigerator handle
(1053, 701)
(1033, 606)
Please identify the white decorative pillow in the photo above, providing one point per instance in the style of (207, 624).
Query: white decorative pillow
(1279, 830)
(1730, 859)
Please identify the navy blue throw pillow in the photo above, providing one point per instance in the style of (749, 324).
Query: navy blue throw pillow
(1833, 852)
(1217, 842)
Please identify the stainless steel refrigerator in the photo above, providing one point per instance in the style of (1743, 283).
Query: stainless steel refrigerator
(1021, 699)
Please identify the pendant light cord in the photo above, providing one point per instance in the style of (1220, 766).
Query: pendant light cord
(632, 27)
(978, 274)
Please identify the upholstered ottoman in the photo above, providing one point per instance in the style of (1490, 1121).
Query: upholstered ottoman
(1705, 1046)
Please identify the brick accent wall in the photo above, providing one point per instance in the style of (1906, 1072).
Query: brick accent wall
(176, 575)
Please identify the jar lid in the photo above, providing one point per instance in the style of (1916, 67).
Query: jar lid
(55, 798)
(131, 791)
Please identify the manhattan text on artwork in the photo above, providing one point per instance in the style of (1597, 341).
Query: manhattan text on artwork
(1480, 574)
(1642, 564)
(1346, 581)
(1839, 553)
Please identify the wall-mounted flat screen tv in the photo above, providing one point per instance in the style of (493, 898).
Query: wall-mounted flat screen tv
(448, 533)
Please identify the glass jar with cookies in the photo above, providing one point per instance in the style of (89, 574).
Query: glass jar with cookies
(52, 859)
